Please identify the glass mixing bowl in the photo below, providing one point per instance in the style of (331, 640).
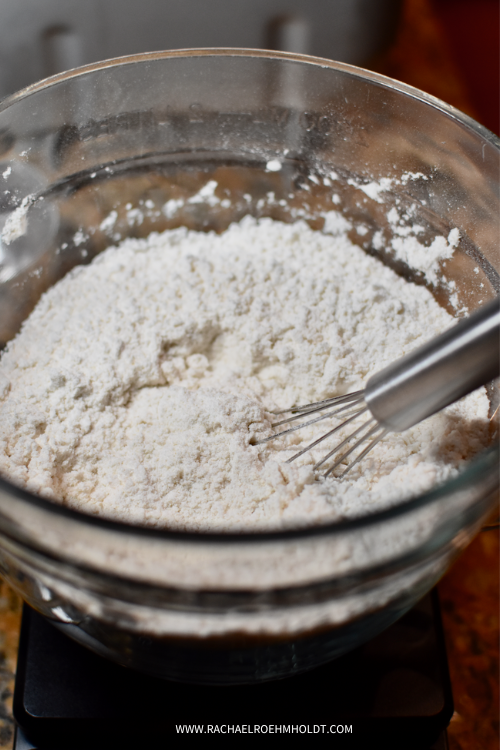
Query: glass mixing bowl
(115, 149)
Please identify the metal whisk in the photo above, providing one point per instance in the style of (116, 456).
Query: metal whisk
(407, 391)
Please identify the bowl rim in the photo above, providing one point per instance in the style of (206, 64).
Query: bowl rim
(484, 463)
(249, 52)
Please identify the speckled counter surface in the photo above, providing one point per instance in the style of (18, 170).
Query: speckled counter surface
(10, 624)
(470, 610)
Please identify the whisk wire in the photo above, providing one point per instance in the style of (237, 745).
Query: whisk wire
(313, 411)
(306, 424)
(363, 453)
(327, 435)
(319, 405)
(344, 442)
(374, 429)
(350, 406)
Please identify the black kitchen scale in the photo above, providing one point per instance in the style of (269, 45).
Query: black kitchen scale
(393, 692)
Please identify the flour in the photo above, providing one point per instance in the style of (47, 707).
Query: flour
(407, 247)
(16, 223)
(137, 386)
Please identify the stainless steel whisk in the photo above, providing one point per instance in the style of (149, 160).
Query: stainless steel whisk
(407, 391)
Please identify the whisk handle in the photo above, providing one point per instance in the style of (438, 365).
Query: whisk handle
(439, 372)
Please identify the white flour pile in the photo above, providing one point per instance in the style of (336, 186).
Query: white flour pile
(135, 388)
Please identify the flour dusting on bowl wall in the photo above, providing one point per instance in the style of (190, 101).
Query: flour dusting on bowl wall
(220, 244)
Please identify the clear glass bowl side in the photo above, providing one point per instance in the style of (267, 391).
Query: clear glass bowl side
(98, 155)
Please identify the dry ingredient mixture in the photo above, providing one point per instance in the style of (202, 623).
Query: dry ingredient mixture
(136, 387)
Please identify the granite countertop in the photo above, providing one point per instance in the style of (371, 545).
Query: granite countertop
(470, 609)
(469, 593)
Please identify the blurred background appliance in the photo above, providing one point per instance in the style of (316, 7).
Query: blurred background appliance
(39, 38)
